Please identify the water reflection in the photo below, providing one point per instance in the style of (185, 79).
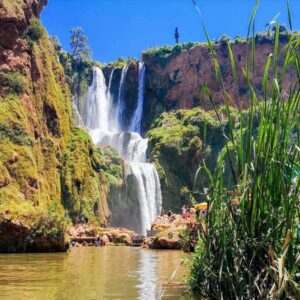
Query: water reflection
(92, 273)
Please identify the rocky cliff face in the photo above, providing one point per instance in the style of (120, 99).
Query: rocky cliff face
(130, 93)
(14, 19)
(174, 106)
(178, 143)
(49, 170)
(175, 76)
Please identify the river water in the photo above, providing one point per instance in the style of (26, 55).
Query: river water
(94, 273)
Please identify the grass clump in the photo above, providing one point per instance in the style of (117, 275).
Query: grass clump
(14, 82)
(16, 134)
(34, 31)
(250, 247)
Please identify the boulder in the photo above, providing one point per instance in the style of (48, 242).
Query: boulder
(17, 237)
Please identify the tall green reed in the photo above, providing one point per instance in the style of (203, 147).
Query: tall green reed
(249, 247)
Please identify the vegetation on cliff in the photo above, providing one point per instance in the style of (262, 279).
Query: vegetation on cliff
(49, 170)
(13, 82)
(84, 188)
(87, 175)
(35, 122)
(163, 55)
(178, 142)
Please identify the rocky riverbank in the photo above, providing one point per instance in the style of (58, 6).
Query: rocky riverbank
(43, 236)
(87, 235)
(171, 232)
(167, 232)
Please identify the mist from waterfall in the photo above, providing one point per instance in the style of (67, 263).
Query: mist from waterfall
(104, 121)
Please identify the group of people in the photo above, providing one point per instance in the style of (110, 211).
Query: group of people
(186, 212)
(197, 209)
(81, 220)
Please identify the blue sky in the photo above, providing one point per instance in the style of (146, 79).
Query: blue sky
(118, 28)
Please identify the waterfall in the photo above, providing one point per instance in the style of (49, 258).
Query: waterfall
(97, 105)
(137, 117)
(104, 122)
(120, 104)
(76, 115)
(112, 119)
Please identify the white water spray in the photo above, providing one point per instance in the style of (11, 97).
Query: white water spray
(104, 122)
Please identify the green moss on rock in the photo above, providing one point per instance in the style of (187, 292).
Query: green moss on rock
(84, 185)
(179, 142)
(14, 82)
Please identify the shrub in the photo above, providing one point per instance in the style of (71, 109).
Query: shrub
(163, 54)
(35, 30)
(224, 39)
(15, 82)
(121, 62)
(16, 134)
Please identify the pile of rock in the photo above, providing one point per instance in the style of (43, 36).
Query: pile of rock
(16, 236)
(171, 232)
(87, 235)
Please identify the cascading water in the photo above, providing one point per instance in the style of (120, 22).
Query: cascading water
(137, 117)
(97, 106)
(104, 122)
(120, 104)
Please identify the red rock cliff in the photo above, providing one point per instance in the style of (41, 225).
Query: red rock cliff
(176, 82)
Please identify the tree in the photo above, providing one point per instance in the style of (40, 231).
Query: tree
(80, 49)
(176, 35)
(55, 43)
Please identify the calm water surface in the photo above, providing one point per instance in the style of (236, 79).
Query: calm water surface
(93, 273)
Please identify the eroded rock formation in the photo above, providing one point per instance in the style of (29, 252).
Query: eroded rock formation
(50, 171)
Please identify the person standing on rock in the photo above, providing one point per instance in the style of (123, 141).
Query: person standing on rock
(176, 35)
(183, 211)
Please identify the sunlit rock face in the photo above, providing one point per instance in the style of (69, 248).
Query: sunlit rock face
(48, 168)
(175, 81)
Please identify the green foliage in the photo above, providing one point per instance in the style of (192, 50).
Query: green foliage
(42, 229)
(14, 82)
(224, 39)
(78, 73)
(30, 159)
(121, 62)
(80, 50)
(249, 249)
(111, 164)
(178, 141)
(86, 175)
(15, 134)
(163, 55)
(34, 31)
(55, 43)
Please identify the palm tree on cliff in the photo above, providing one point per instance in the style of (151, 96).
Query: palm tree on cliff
(176, 35)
